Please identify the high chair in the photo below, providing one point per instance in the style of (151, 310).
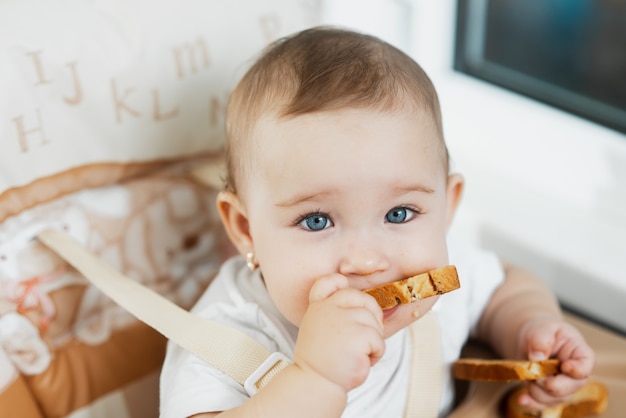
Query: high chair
(111, 135)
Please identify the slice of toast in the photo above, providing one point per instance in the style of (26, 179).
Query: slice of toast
(504, 370)
(421, 286)
(592, 399)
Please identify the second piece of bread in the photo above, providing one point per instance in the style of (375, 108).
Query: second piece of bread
(592, 399)
(504, 370)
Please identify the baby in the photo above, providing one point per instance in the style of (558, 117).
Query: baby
(338, 181)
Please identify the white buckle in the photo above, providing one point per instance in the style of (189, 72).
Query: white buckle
(250, 385)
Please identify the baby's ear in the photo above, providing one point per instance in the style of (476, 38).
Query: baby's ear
(454, 192)
(235, 220)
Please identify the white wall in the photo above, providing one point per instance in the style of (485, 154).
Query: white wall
(544, 188)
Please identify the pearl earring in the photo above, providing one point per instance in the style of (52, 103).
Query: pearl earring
(250, 261)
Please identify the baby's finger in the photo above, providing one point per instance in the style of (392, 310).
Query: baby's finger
(327, 285)
(363, 317)
(528, 402)
(353, 298)
(580, 364)
(540, 343)
(537, 399)
(554, 389)
(377, 349)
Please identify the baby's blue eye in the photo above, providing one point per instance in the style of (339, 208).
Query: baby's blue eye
(315, 222)
(399, 215)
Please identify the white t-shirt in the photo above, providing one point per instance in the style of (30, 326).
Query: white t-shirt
(238, 298)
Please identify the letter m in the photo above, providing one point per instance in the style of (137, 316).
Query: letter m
(191, 56)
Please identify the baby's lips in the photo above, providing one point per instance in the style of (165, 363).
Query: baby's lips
(389, 311)
(434, 282)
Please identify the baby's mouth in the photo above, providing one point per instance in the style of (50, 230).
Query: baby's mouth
(388, 312)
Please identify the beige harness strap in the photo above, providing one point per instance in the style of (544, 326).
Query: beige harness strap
(227, 349)
(427, 368)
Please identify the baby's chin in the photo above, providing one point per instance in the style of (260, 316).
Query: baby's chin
(402, 316)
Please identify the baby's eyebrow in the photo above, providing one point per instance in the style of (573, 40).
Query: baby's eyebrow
(302, 198)
(413, 188)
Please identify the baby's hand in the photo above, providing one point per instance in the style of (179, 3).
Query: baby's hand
(341, 334)
(542, 338)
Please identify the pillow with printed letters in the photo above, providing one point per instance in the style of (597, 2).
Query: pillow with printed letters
(105, 107)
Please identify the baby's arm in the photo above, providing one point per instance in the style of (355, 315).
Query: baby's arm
(523, 320)
(340, 338)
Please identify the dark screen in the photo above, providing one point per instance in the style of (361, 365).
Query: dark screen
(568, 53)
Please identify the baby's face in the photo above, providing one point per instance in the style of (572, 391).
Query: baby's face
(356, 192)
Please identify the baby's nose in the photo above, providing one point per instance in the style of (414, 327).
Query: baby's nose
(363, 258)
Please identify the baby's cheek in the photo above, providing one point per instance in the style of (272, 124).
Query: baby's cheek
(291, 303)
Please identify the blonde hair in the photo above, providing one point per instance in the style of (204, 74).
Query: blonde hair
(322, 69)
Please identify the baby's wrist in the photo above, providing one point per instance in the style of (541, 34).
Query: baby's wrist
(317, 380)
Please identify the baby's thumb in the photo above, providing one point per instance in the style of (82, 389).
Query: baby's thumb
(540, 345)
(326, 286)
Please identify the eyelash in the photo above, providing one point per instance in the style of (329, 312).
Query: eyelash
(416, 211)
(306, 215)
